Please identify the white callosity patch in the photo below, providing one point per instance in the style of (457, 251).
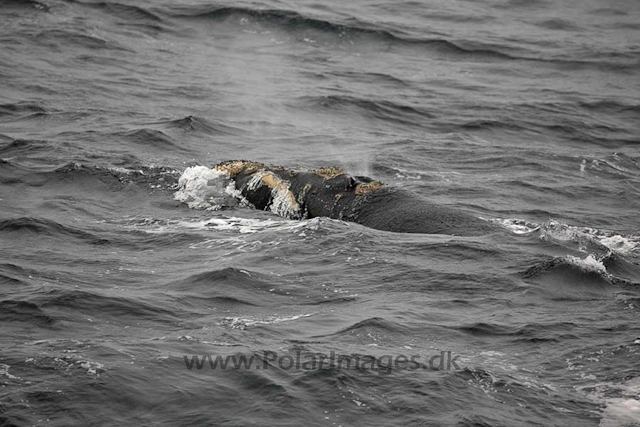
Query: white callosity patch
(283, 201)
(203, 188)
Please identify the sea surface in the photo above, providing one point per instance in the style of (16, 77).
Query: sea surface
(119, 301)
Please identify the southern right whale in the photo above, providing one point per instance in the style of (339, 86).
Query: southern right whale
(330, 192)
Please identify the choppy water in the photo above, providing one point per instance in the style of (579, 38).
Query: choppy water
(525, 113)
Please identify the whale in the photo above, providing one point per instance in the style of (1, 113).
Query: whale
(331, 192)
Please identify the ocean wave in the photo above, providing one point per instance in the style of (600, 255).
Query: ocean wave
(26, 147)
(152, 138)
(532, 332)
(608, 136)
(589, 264)
(285, 18)
(121, 10)
(364, 76)
(371, 327)
(104, 307)
(7, 279)
(246, 322)
(14, 274)
(42, 226)
(580, 275)
(611, 106)
(352, 29)
(621, 63)
(51, 355)
(587, 239)
(381, 109)
(80, 176)
(230, 276)
(504, 123)
(24, 4)
(232, 287)
(199, 125)
(59, 39)
(621, 268)
(49, 116)
(296, 22)
(116, 178)
(557, 24)
(20, 108)
(23, 311)
(617, 165)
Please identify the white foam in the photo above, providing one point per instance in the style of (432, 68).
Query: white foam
(584, 236)
(232, 191)
(590, 263)
(4, 371)
(621, 244)
(621, 412)
(93, 368)
(222, 223)
(622, 402)
(242, 225)
(517, 226)
(124, 171)
(201, 187)
(243, 323)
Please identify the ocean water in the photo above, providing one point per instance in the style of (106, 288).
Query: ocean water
(129, 272)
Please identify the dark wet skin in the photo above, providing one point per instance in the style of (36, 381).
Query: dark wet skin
(384, 208)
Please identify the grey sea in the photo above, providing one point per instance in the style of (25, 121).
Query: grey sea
(136, 291)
